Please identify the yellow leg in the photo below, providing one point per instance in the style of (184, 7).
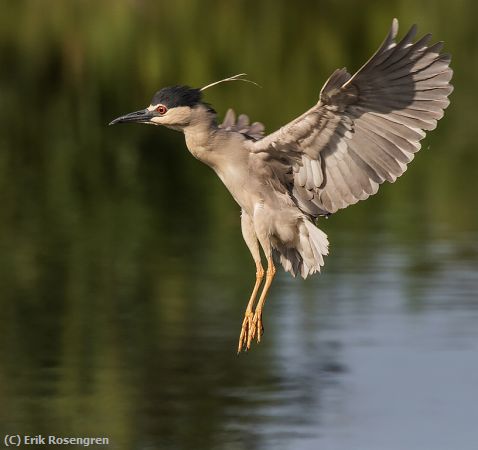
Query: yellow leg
(257, 319)
(248, 315)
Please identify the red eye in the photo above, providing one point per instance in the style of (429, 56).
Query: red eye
(161, 109)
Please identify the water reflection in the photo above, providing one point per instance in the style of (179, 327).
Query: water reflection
(143, 352)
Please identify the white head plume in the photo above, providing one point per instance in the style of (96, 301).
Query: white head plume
(238, 77)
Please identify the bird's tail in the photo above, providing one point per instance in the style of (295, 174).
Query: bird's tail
(307, 257)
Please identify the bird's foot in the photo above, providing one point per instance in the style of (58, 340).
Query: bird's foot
(244, 341)
(256, 329)
(251, 328)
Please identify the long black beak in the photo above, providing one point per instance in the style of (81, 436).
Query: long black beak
(138, 116)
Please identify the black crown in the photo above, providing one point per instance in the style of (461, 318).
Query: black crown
(177, 96)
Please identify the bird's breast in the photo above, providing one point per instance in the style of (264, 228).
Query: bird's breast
(227, 156)
(198, 151)
(238, 182)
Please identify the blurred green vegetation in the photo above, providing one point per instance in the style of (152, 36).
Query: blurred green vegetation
(108, 235)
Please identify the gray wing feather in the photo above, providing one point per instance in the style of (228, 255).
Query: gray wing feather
(252, 131)
(365, 128)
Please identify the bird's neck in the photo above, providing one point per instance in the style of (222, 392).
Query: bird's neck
(200, 134)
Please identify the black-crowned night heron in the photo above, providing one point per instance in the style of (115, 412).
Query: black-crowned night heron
(363, 131)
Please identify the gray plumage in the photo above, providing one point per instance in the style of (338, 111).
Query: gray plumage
(254, 131)
(363, 131)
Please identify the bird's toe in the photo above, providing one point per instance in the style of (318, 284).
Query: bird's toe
(244, 340)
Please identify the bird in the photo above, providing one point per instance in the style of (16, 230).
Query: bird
(363, 130)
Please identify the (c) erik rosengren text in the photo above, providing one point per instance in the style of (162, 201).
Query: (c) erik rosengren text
(86, 441)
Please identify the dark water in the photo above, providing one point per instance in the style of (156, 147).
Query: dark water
(123, 275)
(378, 352)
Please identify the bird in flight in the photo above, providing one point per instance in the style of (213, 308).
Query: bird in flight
(364, 130)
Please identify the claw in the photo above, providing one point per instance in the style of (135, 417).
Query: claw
(244, 341)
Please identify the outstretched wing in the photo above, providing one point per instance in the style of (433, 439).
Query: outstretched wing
(253, 131)
(365, 128)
